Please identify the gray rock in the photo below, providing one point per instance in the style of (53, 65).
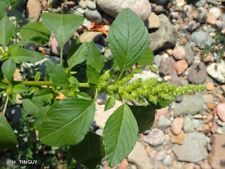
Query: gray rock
(197, 123)
(200, 3)
(189, 53)
(193, 149)
(93, 15)
(168, 160)
(139, 157)
(141, 7)
(167, 66)
(217, 71)
(197, 73)
(188, 124)
(145, 75)
(164, 122)
(165, 36)
(190, 105)
(160, 2)
(155, 137)
(161, 155)
(201, 39)
(91, 4)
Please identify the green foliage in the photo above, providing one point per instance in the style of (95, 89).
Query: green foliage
(128, 39)
(7, 30)
(58, 100)
(7, 136)
(67, 122)
(152, 90)
(62, 26)
(120, 135)
(35, 32)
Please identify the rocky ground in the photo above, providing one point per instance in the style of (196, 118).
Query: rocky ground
(188, 39)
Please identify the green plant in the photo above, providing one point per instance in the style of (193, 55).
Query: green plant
(69, 121)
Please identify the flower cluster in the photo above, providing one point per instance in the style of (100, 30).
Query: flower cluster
(139, 91)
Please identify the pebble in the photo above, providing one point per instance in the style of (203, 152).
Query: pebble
(196, 142)
(34, 9)
(139, 157)
(161, 112)
(141, 7)
(168, 160)
(155, 137)
(153, 21)
(217, 157)
(93, 15)
(192, 104)
(90, 36)
(91, 4)
(217, 71)
(190, 54)
(165, 36)
(178, 139)
(179, 53)
(188, 124)
(164, 122)
(181, 66)
(197, 73)
(216, 12)
(201, 39)
(177, 125)
(161, 155)
(220, 109)
(83, 4)
(167, 65)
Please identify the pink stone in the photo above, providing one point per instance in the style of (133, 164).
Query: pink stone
(221, 111)
(178, 53)
(181, 66)
(177, 125)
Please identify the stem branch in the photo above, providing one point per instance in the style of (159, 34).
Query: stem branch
(5, 105)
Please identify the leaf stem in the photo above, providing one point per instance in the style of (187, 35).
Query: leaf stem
(61, 55)
(5, 105)
(121, 74)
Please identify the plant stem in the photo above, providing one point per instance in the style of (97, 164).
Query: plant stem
(42, 83)
(5, 105)
(61, 55)
(84, 85)
(121, 74)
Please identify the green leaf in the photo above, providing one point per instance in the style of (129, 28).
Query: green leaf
(29, 107)
(144, 115)
(67, 122)
(92, 75)
(57, 74)
(120, 135)
(7, 30)
(8, 69)
(94, 62)
(43, 97)
(110, 102)
(3, 9)
(90, 151)
(35, 32)
(146, 58)
(128, 39)
(20, 55)
(20, 88)
(7, 136)
(63, 26)
(79, 56)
